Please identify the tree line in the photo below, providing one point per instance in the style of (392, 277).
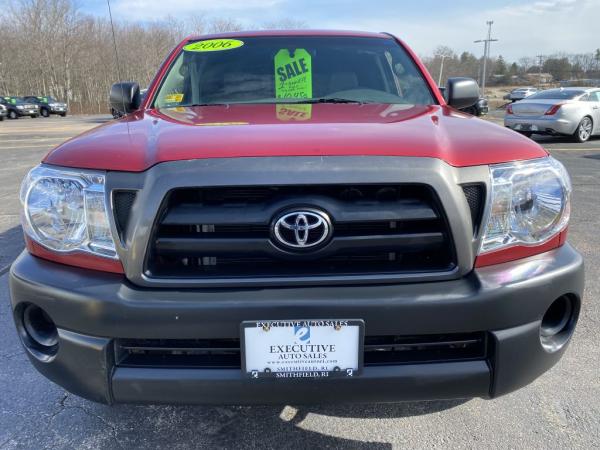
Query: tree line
(561, 66)
(49, 47)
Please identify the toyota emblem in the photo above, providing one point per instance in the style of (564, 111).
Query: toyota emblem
(302, 229)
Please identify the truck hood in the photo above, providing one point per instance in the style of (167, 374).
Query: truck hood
(145, 138)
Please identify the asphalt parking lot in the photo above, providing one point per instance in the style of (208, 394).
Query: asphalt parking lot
(559, 410)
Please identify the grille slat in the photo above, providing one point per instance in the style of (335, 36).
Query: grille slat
(226, 353)
(261, 214)
(219, 246)
(226, 232)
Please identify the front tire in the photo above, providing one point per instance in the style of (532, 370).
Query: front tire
(584, 130)
(45, 113)
(12, 115)
(63, 114)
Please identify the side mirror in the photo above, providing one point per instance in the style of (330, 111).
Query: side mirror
(125, 97)
(461, 92)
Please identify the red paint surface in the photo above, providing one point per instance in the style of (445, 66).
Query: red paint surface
(241, 34)
(78, 259)
(150, 137)
(519, 251)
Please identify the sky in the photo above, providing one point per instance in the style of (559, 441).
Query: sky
(524, 28)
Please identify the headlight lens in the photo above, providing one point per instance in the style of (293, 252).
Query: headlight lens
(530, 203)
(66, 211)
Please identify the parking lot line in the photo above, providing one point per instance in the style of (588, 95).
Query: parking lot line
(31, 139)
(12, 147)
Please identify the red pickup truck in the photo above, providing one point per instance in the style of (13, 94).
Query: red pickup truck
(292, 217)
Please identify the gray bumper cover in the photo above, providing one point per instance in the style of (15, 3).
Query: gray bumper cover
(91, 308)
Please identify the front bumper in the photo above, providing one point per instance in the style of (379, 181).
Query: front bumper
(28, 112)
(540, 125)
(91, 309)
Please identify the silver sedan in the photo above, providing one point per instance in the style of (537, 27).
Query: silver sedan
(520, 93)
(566, 111)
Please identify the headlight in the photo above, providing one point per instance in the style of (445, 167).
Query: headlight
(530, 203)
(19, 106)
(65, 211)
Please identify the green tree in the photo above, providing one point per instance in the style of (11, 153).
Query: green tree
(500, 67)
(577, 71)
(559, 68)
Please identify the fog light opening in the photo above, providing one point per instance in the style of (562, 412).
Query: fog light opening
(557, 316)
(38, 332)
(558, 323)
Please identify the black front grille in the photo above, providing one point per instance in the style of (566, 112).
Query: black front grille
(226, 354)
(392, 350)
(227, 232)
(206, 353)
(475, 194)
(122, 204)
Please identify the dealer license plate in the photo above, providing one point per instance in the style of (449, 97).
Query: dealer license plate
(302, 348)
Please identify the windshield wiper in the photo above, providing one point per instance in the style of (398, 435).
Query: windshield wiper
(283, 101)
(203, 104)
(326, 100)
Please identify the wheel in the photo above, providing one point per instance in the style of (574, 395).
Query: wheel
(45, 112)
(63, 114)
(584, 130)
(12, 115)
(35, 116)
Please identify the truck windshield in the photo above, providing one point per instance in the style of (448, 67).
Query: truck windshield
(293, 70)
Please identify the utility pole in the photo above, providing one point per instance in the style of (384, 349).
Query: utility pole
(486, 53)
(441, 70)
(540, 62)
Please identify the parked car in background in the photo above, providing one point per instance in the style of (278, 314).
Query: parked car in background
(48, 105)
(18, 107)
(3, 112)
(480, 108)
(520, 93)
(571, 111)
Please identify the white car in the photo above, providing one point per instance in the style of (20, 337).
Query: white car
(573, 111)
(520, 93)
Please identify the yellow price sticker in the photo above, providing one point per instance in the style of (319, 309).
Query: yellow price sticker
(173, 98)
(213, 45)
